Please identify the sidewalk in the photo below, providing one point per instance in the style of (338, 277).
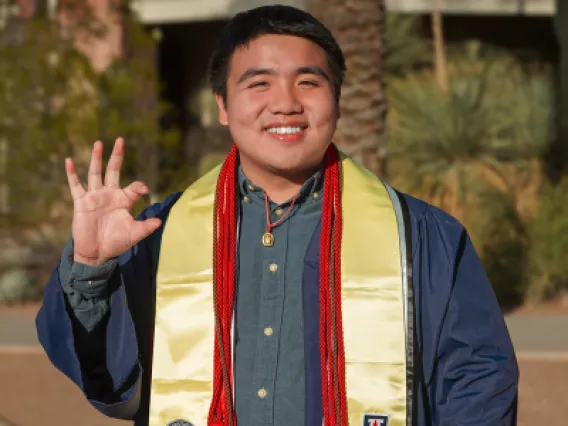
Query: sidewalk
(17, 330)
(539, 336)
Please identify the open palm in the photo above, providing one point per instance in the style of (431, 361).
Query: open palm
(103, 225)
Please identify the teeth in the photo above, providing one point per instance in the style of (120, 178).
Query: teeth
(285, 130)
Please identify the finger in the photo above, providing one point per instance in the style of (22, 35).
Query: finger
(77, 190)
(95, 180)
(112, 176)
(134, 191)
(142, 229)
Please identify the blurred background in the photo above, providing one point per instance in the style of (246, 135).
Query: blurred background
(463, 103)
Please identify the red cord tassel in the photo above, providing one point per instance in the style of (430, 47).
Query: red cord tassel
(221, 412)
(332, 219)
(332, 353)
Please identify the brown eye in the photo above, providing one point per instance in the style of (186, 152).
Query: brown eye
(309, 83)
(258, 84)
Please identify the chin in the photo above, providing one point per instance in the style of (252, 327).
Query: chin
(291, 167)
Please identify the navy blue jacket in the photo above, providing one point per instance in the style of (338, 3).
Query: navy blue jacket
(465, 371)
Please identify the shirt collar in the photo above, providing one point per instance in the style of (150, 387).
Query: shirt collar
(311, 189)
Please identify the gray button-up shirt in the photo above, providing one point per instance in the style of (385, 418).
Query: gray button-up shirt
(269, 341)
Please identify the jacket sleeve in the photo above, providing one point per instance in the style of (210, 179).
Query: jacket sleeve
(105, 368)
(86, 289)
(104, 361)
(476, 372)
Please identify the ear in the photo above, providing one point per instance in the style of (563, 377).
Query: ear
(223, 116)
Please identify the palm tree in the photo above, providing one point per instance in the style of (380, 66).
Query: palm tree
(359, 27)
(494, 119)
(440, 61)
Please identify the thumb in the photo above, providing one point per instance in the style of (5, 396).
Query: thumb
(135, 190)
(142, 229)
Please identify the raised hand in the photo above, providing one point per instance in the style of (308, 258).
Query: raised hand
(103, 226)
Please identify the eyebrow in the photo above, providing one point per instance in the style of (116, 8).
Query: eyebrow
(253, 72)
(315, 70)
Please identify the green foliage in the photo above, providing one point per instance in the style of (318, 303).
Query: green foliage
(501, 239)
(45, 100)
(406, 48)
(54, 105)
(17, 286)
(131, 108)
(444, 146)
(548, 233)
(472, 152)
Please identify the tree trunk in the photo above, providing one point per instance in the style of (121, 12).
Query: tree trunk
(440, 62)
(359, 26)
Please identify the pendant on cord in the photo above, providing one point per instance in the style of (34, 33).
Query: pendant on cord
(268, 239)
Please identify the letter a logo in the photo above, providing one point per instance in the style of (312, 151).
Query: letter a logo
(375, 420)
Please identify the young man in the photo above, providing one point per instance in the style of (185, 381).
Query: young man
(288, 286)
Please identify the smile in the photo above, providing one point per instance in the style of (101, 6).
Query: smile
(292, 132)
(285, 130)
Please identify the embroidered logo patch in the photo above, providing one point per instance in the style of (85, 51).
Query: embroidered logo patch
(179, 422)
(375, 420)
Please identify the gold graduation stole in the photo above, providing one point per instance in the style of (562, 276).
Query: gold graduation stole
(376, 321)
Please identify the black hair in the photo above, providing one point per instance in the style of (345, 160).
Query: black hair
(276, 19)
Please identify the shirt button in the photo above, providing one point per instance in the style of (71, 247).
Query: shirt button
(273, 267)
(262, 393)
(268, 331)
(246, 199)
(315, 195)
(251, 187)
(278, 211)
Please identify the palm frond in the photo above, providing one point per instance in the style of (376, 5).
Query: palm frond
(495, 114)
(405, 47)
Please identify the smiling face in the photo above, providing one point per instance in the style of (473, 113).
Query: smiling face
(281, 106)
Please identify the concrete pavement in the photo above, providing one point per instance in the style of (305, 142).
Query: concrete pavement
(539, 336)
(17, 330)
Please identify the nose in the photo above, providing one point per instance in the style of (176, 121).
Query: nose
(284, 101)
